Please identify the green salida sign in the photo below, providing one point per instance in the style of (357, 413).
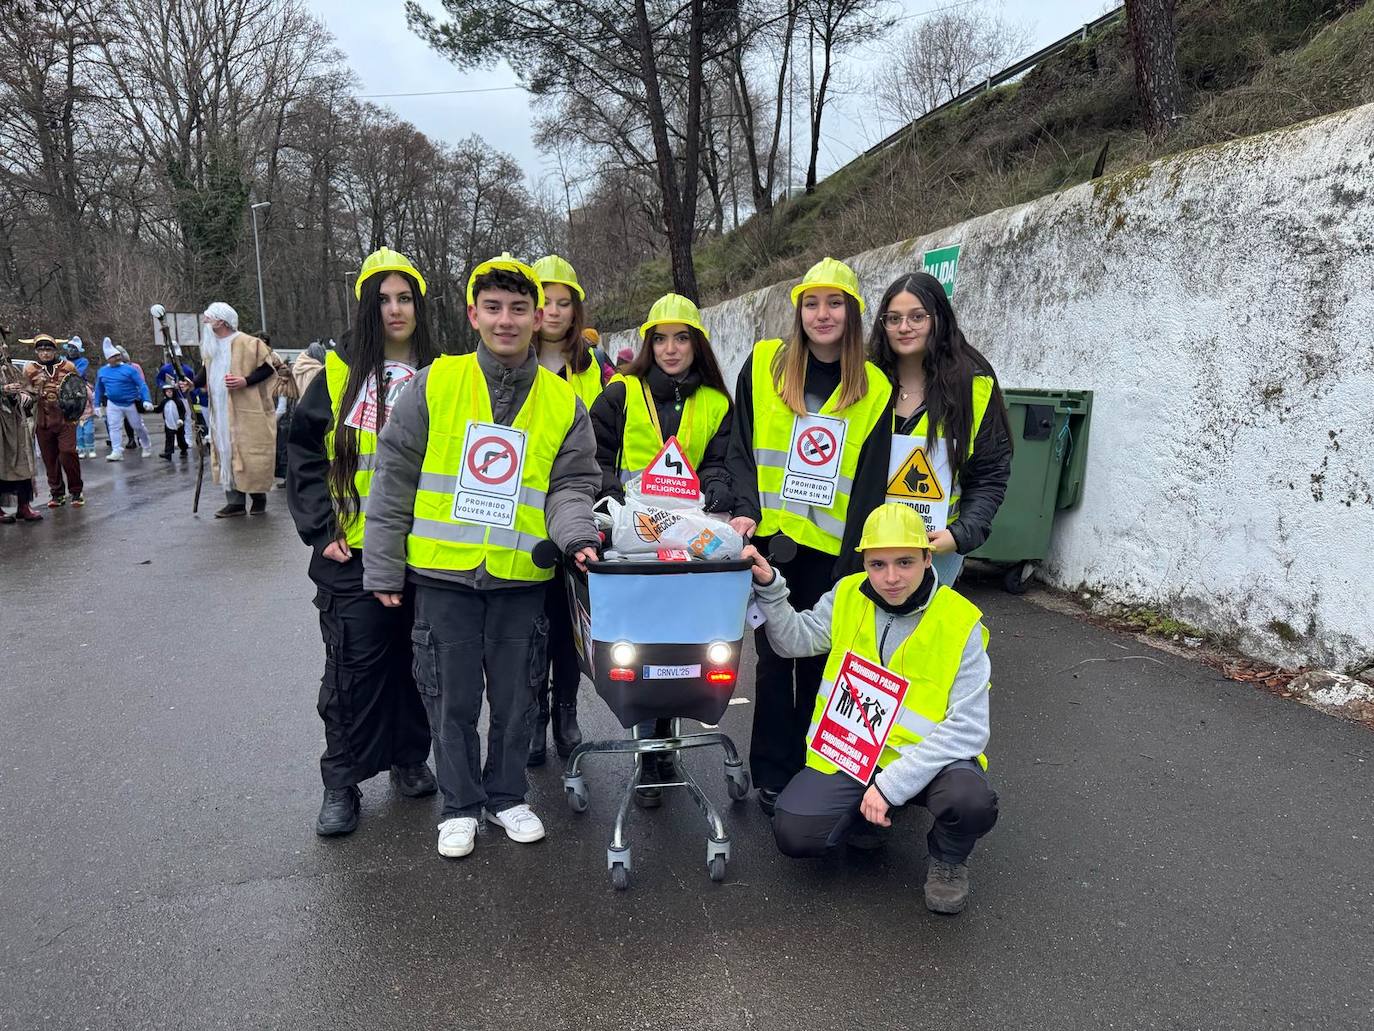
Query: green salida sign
(942, 263)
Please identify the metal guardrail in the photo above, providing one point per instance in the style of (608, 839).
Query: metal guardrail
(1004, 75)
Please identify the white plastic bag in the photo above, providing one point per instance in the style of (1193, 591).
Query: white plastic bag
(645, 526)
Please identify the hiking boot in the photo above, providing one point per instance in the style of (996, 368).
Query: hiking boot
(414, 781)
(457, 836)
(519, 823)
(339, 811)
(78, 501)
(259, 505)
(946, 887)
(230, 511)
(567, 735)
(57, 500)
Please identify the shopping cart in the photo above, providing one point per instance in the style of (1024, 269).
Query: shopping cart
(661, 640)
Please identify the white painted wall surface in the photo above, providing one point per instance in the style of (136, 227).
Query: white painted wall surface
(1220, 304)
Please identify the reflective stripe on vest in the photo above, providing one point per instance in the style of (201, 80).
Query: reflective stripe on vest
(587, 383)
(929, 660)
(336, 379)
(818, 528)
(702, 413)
(982, 395)
(456, 394)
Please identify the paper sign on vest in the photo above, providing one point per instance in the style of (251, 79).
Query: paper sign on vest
(920, 477)
(489, 477)
(864, 703)
(363, 414)
(813, 460)
(670, 475)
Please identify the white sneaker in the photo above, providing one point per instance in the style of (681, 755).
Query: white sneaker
(520, 823)
(147, 452)
(456, 836)
(113, 457)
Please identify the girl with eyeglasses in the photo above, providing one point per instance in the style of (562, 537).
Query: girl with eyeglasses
(951, 450)
(808, 457)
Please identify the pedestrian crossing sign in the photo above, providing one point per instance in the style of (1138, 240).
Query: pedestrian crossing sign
(915, 479)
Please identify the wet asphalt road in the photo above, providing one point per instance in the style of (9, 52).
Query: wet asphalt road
(1175, 851)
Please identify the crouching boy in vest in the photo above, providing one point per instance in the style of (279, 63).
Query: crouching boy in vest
(892, 623)
(483, 456)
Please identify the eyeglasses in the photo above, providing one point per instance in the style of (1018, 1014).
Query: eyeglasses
(917, 319)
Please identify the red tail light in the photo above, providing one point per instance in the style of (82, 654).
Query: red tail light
(721, 676)
(621, 674)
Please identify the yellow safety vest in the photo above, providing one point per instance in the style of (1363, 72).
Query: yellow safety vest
(982, 395)
(818, 528)
(929, 660)
(702, 413)
(336, 379)
(456, 394)
(587, 383)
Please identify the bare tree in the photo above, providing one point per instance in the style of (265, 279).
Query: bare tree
(1155, 50)
(942, 56)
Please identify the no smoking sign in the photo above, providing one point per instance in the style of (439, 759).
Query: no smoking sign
(813, 460)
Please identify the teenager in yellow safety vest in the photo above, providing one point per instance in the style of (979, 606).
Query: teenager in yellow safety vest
(672, 388)
(485, 456)
(568, 348)
(909, 656)
(951, 451)
(373, 717)
(808, 460)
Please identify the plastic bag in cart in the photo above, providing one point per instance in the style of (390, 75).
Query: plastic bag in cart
(646, 526)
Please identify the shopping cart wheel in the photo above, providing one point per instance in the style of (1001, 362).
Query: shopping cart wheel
(620, 876)
(736, 780)
(577, 799)
(717, 868)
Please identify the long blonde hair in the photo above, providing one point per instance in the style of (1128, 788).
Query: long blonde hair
(789, 364)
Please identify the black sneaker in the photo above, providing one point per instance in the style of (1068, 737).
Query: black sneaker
(231, 511)
(339, 811)
(414, 781)
(946, 887)
(259, 506)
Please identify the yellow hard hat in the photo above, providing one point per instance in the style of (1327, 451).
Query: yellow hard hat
(384, 259)
(674, 308)
(894, 525)
(832, 274)
(507, 263)
(553, 269)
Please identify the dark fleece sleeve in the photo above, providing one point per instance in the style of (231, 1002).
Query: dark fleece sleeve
(739, 456)
(716, 490)
(982, 483)
(870, 490)
(307, 467)
(259, 374)
(608, 423)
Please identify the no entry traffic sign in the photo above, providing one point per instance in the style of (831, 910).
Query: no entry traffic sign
(492, 461)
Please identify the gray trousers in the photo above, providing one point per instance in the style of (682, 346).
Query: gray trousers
(468, 644)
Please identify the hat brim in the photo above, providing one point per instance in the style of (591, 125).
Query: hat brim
(409, 270)
(581, 294)
(864, 546)
(801, 288)
(644, 329)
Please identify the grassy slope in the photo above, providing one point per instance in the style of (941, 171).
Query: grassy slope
(1248, 66)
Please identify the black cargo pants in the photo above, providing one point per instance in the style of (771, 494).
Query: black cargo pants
(470, 643)
(372, 713)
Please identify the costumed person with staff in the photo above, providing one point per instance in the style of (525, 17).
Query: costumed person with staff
(373, 717)
(485, 456)
(902, 716)
(672, 388)
(17, 464)
(808, 462)
(60, 407)
(569, 349)
(237, 373)
(951, 448)
(120, 393)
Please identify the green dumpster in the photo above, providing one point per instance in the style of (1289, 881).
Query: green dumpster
(1049, 430)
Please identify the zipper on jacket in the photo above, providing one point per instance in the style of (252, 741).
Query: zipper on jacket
(882, 640)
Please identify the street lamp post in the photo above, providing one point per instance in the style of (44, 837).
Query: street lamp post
(257, 252)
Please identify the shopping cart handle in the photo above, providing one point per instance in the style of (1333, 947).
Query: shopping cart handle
(782, 549)
(546, 554)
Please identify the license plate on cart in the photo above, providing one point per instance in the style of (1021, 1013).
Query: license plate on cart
(672, 672)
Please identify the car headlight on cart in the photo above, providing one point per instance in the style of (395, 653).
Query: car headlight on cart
(718, 652)
(622, 653)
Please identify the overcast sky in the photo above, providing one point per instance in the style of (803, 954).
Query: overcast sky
(388, 58)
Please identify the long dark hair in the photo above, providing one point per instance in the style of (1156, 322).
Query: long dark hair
(577, 355)
(366, 356)
(703, 360)
(950, 363)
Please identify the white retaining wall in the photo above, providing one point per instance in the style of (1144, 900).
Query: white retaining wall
(1220, 305)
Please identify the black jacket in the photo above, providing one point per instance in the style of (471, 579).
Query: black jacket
(983, 479)
(307, 490)
(608, 421)
(870, 480)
